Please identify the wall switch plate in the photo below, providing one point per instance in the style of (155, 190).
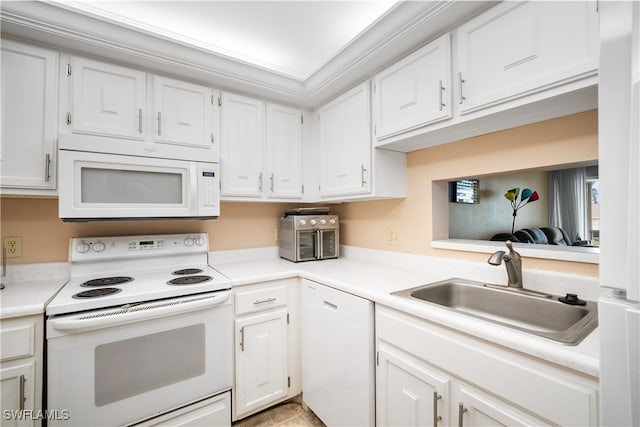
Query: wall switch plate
(393, 237)
(14, 246)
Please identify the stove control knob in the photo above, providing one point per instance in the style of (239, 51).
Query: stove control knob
(323, 221)
(82, 247)
(189, 241)
(303, 222)
(98, 247)
(332, 221)
(199, 241)
(313, 222)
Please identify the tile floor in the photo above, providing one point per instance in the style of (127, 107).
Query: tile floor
(287, 414)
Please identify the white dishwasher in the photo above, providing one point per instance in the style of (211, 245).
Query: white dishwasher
(338, 356)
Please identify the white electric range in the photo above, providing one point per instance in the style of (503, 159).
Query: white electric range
(143, 329)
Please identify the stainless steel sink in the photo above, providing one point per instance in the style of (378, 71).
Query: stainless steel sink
(537, 313)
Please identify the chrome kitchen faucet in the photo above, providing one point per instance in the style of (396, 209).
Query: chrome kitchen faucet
(513, 263)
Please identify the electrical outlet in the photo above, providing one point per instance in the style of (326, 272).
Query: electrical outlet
(393, 237)
(14, 246)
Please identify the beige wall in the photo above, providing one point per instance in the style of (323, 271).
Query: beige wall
(243, 225)
(566, 140)
(45, 238)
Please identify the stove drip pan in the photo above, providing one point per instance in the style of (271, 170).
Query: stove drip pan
(107, 281)
(189, 280)
(187, 271)
(97, 292)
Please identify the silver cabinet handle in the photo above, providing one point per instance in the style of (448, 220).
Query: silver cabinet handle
(260, 182)
(363, 175)
(139, 120)
(436, 417)
(271, 178)
(159, 123)
(47, 167)
(242, 339)
(441, 89)
(461, 411)
(331, 305)
(264, 301)
(22, 380)
(460, 81)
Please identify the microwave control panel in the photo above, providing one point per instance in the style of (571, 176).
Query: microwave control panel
(208, 189)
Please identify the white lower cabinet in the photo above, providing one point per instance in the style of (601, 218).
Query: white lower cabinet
(261, 359)
(21, 371)
(428, 375)
(265, 346)
(408, 392)
(473, 407)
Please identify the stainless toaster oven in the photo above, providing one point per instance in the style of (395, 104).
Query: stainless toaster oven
(308, 234)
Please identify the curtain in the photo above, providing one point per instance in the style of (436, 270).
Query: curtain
(568, 202)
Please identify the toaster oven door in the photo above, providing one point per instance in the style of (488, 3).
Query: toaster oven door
(328, 240)
(306, 245)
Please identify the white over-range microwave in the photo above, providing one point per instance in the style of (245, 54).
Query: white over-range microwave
(100, 186)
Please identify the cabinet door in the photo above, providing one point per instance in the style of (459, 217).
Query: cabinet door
(107, 99)
(345, 144)
(261, 360)
(408, 393)
(18, 392)
(29, 99)
(517, 48)
(183, 113)
(284, 152)
(242, 146)
(475, 408)
(415, 91)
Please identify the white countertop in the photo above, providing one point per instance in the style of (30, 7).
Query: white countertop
(375, 274)
(366, 273)
(24, 297)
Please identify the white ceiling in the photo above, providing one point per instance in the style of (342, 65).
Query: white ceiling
(291, 38)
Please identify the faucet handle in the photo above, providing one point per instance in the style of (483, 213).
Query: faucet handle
(509, 245)
(512, 253)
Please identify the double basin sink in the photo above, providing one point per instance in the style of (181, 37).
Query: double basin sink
(536, 313)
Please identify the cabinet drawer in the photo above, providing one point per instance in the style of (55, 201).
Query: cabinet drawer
(17, 340)
(260, 298)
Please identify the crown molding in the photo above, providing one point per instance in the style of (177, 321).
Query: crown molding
(403, 29)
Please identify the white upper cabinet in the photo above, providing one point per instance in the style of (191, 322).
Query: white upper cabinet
(183, 111)
(242, 146)
(29, 110)
(284, 151)
(518, 48)
(113, 109)
(345, 143)
(415, 91)
(106, 99)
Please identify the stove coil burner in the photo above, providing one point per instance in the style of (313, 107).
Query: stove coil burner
(98, 292)
(107, 281)
(189, 280)
(187, 271)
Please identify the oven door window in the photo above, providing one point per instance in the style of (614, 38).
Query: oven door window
(328, 245)
(117, 186)
(307, 245)
(138, 365)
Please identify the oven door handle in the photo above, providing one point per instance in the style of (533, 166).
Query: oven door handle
(137, 312)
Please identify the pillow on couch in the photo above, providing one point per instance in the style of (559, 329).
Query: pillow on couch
(556, 236)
